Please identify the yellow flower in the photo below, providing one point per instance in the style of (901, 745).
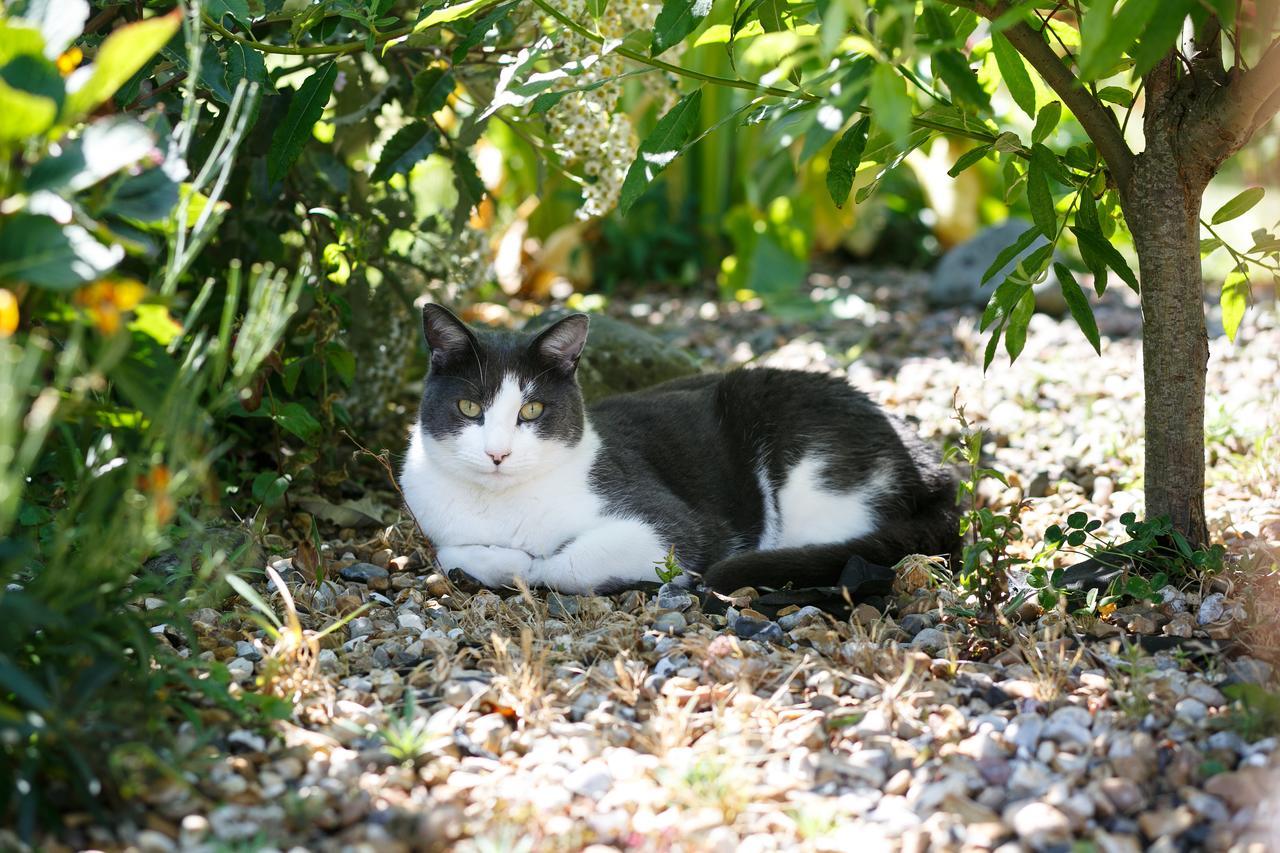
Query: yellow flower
(70, 60)
(1107, 609)
(108, 299)
(8, 313)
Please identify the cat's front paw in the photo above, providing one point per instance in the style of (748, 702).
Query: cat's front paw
(491, 565)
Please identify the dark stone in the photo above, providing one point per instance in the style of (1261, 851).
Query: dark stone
(758, 629)
(375, 577)
(621, 357)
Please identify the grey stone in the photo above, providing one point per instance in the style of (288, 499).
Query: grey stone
(373, 576)
(361, 626)
(930, 640)
(1024, 731)
(806, 615)
(248, 651)
(671, 622)
(1212, 608)
(621, 357)
(914, 623)
(1041, 825)
(760, 630)
(240, 669)
(957, 280)
(1191, 711)
(562, 606)
(673, 597)
(1249, 670)
(592, 779)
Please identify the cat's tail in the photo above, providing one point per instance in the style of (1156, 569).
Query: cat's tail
(822, 565)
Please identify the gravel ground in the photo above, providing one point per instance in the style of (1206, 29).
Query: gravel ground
(442, 718)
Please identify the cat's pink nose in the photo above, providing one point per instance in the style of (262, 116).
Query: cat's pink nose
(498, 457)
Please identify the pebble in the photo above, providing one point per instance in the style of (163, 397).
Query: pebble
(1191, 711)
(672, 596)
(914, 623)
(761, 630)
(1041, 825)
(361, 626)
(375, 577)
(592, 779)
(240, 669)
(248, 651)
(562, 606)
(671, 622)
(802, 618)
(1212, 608)
(930, 640)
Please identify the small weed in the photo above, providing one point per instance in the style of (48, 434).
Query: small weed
(407, 737)
(668, 569)
(1255, 711)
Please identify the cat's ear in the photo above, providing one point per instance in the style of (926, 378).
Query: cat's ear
(447, 336)
(562, 342)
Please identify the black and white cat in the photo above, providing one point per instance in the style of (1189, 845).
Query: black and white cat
(754, 477)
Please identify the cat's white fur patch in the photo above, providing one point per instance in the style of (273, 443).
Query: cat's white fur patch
(772, 532)
(811, 513)
(535, 516)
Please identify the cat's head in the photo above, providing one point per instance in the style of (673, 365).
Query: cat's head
(501, 407)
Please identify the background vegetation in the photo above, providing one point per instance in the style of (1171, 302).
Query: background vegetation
(215, 219)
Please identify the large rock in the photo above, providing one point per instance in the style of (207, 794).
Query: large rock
(621, 357)
(957, 279)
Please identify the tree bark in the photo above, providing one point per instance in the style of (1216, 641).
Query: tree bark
(1162, 207)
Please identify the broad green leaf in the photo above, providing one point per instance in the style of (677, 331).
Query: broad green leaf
(456, 12)
(1041, 200)
(466, 180)
(295, 418)
(1014, 73)
(1160, 35)
(1092, 243)
(245, 63)
(304, 111)
(1208, 246)
(431, 90)
(1116, 95)
(1016, 248)
(25, 115)
(18, 39)
(990, 354)
(221, 10)
(22, 686)
(120, 56)
(1234, 299)
(969, 158)
(845, 157)
(1015, 333)
(1106, 34)
(595, 8)
(1239, 205)
(1046, 121)
(409, 146)
(890, 104)
(37, 250)
(1079, 305)
(677, 19)
(660, 147)
(149, 197)
(954, 70)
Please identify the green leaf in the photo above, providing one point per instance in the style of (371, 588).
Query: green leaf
(119, 57)
(1047, 120)
(954, 70)
(466, 180)
(1116, 95)
(245, 63)
(1015, 333)
(1079, 305)
(1107, 34)
(456, 12)
(236, 10)
(295, 418)
(1092, 243)
(411, 145)
(1234, 299)
(1239, 205)
(431, 90)
(1024, 241)
(595, 8)
(677, 19)
(845, 157)
(304, 111)
(1160, 35)
(250, 595)
(25, 115)
(1041, 200)
(660, 147)
(39, 251)
(1014, 73)
(969, 158)
(149, 197)
(24, 687)
(890, 104)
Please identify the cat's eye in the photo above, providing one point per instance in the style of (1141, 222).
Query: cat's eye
(470, 408)
(531, 411)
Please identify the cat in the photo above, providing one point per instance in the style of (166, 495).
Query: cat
(755, 477)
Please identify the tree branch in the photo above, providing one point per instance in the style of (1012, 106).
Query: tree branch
(1098, 121)
(1252, 94)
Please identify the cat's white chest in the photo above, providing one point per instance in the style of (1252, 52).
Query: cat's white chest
(537, 516)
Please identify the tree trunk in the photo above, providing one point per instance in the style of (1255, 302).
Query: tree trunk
(1162, 207)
